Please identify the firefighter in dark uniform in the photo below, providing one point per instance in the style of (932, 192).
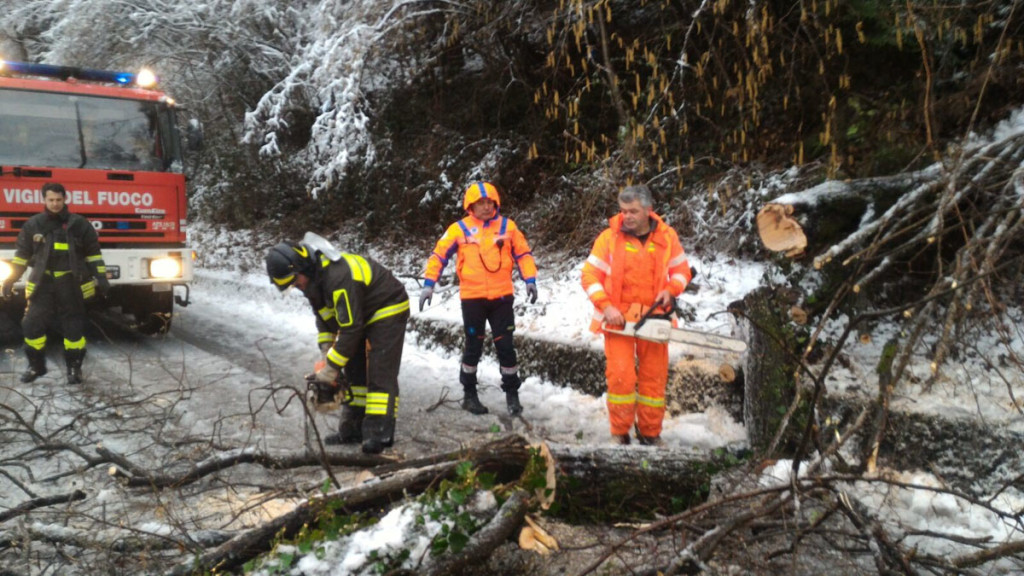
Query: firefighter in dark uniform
(63, 250)
(361, 311)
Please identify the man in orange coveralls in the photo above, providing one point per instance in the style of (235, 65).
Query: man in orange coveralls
(489, 245)
(635, 264)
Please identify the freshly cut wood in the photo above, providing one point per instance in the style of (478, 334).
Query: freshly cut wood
(779, 231)
(814, 220)
(726, 373)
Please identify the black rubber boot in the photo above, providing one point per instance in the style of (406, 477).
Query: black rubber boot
(74, 359)
(510, 384)
(350, 431)
(378, 434)
(512, 400)
(471, 402)
(36, 365)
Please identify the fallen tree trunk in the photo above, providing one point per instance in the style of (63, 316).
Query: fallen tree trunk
(607, 477)
(500, 456)
(810, 221)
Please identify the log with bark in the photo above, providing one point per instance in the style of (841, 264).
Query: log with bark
(397, 481)
(810, 221)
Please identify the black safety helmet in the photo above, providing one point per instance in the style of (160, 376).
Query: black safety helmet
(287, 259)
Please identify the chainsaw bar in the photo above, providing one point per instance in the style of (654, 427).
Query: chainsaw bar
(661, 330)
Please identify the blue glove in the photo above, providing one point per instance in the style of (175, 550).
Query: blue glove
(531, 291)
(425, 295)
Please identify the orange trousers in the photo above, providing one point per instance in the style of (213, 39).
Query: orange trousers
(637, 371)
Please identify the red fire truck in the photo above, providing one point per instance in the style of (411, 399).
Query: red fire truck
(114, 143)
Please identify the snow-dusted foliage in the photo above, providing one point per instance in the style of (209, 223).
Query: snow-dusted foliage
(342, 58)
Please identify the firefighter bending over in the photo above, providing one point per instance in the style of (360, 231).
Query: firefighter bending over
(489, 246)
(63, 250)
(361, 311)
(636, 263)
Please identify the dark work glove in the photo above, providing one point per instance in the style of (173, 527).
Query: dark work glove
(531, 291)
(102, 285)
(425, 295)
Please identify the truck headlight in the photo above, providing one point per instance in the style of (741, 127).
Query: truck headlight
(5, 270)
(164, 268)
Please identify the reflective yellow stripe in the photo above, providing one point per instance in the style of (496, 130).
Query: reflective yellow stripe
(324, 337)
(284, 281)
(30, 287)
(622, 398)
(359, 396)
(377, 403)
(57, 273)
(338, 296)
(360, 268)
(652, 402)
(326, 313)
(388, 311)
(93, 258)
(60, 245)
(76, 345)
(101, 270)
(631, 248)
(36, 343)
(333, 356)
(19, 261)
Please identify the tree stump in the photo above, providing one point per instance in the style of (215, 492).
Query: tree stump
(769, 384)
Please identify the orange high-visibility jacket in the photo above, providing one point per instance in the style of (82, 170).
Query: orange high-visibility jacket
(619, 266)
(487, 252)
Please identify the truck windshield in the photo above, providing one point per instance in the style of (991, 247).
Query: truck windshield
(74, 131)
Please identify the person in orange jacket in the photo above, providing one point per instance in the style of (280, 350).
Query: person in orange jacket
(488, 246)
(635, 264)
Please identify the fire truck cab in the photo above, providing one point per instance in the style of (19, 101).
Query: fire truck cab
(114, 142)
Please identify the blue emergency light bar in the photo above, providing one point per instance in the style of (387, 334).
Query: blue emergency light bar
(144, 79)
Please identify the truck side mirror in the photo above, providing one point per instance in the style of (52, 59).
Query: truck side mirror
(194, 135)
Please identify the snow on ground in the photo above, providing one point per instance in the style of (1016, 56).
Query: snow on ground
(562, 415)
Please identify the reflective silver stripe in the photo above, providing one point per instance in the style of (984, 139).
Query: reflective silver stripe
(469, 369)
(599, 264)
(622, 398)
(509, 369)
(681, 278)
(598, 316)
(595, 288)
(652, 402)
(377, 403)
(333, 356)
(358, 396)
(388, 311)
(677, 260)
(324, 337)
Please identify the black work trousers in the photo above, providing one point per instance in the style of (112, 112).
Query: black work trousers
(55, 298)
(476, 314)
(377, 365)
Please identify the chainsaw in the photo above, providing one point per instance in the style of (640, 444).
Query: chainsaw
(657, 327)
(326, 397)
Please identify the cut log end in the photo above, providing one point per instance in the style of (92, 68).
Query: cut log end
(779, 231)
(727, 373)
